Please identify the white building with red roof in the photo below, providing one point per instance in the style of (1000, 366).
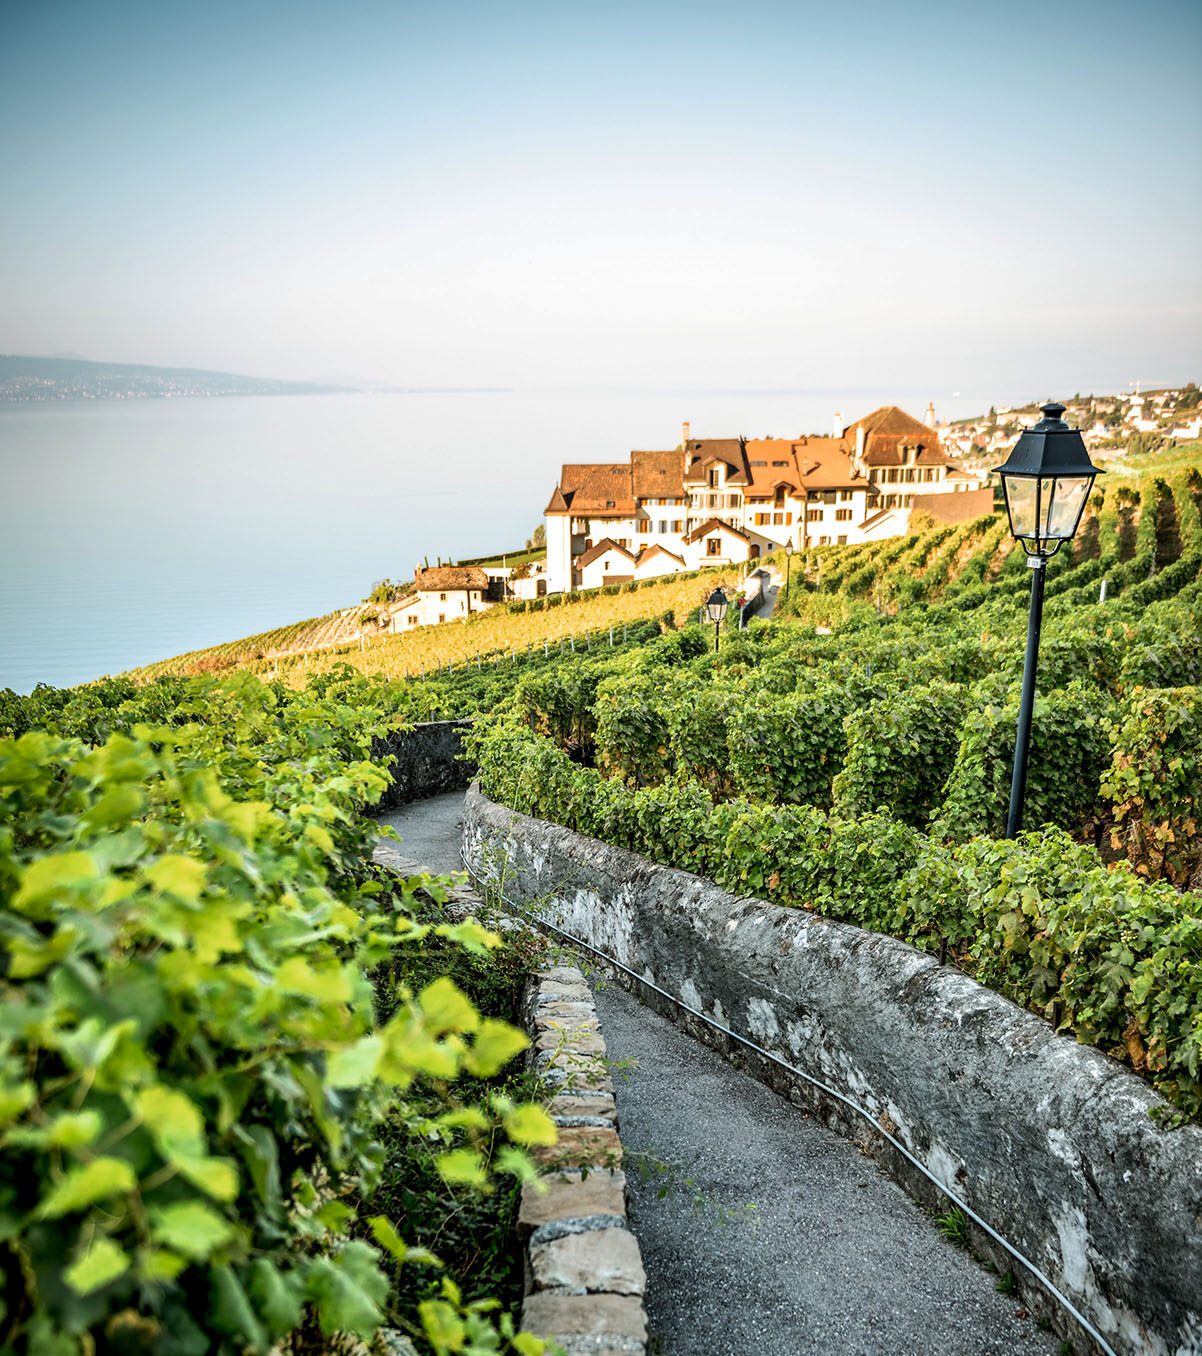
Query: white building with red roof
(731, 500)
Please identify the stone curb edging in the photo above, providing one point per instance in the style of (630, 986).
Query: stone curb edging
(584, 1277)
(584, 1272)
(1056, 1145)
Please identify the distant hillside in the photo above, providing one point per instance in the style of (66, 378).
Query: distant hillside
(42, 379)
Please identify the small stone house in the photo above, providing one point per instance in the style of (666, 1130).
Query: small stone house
(441, 594)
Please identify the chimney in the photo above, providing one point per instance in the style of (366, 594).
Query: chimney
(838, 423)
(860, 445)
(931, 414)
(684, 434)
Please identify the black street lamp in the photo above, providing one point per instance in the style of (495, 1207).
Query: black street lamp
(1046, 480)
(788, 563)
(715, 607)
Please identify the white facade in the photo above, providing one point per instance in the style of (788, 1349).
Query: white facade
(444, 593)
(432, 607)
(656, 561)
(606, 563)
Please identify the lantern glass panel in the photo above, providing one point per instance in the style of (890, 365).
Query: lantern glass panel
(1064, 498)
(1021, 496)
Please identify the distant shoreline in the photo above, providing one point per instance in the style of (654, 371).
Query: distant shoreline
(143, 397)
(30, 380)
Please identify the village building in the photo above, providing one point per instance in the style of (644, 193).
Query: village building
(716, 501)
(442, 593)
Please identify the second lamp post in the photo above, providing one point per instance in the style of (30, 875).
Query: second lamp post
(715, 608)
(1046, 480)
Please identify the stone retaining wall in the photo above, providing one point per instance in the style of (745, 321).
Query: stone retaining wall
(426, 761)
(1051, 1142)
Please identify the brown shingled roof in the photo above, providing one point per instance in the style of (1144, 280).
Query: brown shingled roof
(558, 503)
(657, 475)
(448, 578)
(956, 507)
(730, 450)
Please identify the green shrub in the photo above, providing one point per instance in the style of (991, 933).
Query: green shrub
(192, 1077)
(1153, 784)
(1067, 754)
(697, 718)
(1161, 655)
(1103, 955)
(1100, 954)
(789, 748)
(558, 702)
(900, 752)
(631, 728)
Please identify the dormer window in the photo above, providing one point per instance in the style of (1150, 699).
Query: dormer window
(609, 503)
(715, 477)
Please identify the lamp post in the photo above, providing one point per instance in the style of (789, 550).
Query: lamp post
(788, 564)
(715, 607)
(1046, 481)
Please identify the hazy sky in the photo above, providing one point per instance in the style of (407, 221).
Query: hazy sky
(1005, 197)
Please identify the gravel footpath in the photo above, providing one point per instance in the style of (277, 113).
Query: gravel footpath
(772, 1235)
(430, 831)
(775, 1235)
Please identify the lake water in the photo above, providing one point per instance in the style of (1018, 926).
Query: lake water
(135, 530)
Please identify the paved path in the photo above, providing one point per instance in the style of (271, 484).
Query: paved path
(429, 831)
(771, 593)
(774, 1236)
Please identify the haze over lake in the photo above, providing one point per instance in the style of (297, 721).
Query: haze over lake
(135, 530)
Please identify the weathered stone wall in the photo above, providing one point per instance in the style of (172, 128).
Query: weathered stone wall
(1051, 1142)
(427, 761)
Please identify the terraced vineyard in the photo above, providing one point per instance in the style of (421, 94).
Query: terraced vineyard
(517, 627)
(1141, 534)
(864, 774)
(335, 628)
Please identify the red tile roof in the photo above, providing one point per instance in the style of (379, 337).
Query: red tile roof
(825, 464)
(764, 471)
(657, 475)
(715, 523)
(597, 551)
(890, 429)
